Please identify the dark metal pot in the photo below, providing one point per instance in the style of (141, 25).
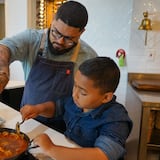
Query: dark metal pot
(25, 137)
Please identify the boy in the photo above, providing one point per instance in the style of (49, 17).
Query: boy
(93, 118)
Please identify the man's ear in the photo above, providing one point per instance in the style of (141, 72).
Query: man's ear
(107, 97)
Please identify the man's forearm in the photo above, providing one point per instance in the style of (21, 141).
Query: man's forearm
(4, 66)
(4, 59)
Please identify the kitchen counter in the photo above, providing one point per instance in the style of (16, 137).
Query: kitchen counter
(15, 84)
(147, 96)
(32, 128)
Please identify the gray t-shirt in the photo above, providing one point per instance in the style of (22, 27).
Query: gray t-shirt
(24, 47)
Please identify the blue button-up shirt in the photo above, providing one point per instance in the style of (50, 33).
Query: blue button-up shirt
(106, 127)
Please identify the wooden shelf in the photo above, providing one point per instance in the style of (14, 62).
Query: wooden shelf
(154, 143)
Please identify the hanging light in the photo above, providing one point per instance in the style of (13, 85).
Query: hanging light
(145, 25)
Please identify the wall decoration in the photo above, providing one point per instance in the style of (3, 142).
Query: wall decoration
(145, 25)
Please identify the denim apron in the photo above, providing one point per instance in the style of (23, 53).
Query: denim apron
(49, 80)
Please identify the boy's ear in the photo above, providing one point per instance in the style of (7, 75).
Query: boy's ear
(107, 97)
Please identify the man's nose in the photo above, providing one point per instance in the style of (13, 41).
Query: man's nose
(61, 40)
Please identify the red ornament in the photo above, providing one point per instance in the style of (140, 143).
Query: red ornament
(120, 52)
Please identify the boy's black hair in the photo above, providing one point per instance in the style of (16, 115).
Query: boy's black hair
(73, 14)
(103, 71)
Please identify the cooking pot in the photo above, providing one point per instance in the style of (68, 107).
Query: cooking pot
(24, 138)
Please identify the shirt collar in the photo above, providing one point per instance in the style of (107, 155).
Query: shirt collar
(98, 111)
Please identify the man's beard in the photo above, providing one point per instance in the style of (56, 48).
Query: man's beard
(58, 52)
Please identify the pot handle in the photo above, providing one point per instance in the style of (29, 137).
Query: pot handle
(30, 145)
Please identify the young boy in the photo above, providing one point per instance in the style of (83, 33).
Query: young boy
(93, 118)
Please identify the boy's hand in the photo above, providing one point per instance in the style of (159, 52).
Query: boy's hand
(29, 111)
(44, 142)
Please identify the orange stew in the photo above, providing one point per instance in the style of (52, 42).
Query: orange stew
(11, 144)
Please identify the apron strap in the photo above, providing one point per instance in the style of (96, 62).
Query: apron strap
(43, 40)
(76, 51)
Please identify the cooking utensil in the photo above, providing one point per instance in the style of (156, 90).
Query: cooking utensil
(18, 126)
(24, 137)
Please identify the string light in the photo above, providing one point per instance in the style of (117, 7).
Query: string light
(45, 11)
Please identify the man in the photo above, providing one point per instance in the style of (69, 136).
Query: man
(49, 57)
